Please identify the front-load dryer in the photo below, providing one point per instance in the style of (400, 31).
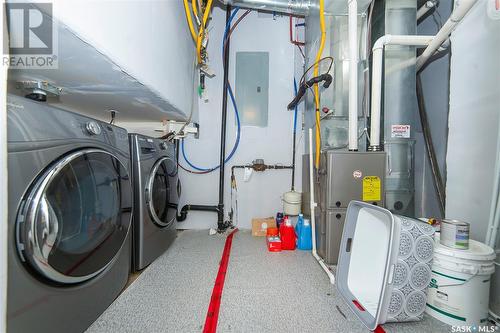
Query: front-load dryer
(156, 195)
(70, 208)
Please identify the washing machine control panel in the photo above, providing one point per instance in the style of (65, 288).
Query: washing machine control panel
(93, 128)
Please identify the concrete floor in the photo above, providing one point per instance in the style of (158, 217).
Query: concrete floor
(263, 292)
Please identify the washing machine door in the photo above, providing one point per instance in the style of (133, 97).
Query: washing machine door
(75, 218)
(159, 198)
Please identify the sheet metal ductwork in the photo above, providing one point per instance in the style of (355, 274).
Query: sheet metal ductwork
(295, 7)
(399, 103)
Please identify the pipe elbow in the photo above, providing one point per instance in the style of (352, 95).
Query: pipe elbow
(183, 214)
(381, 42)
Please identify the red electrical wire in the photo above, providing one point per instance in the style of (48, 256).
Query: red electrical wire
(294, 42)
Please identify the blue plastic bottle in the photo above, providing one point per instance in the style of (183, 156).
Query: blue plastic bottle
(298, 226)
(304, 240)
(279, 220)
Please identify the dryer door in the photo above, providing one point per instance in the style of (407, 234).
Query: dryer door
(75, 218)
(158, 191)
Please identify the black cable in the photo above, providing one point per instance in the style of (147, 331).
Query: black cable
(167, 136)
(302, 78)
(306, 85)
(113, 116)
(438, 181)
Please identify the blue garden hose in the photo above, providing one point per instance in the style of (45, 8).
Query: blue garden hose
(236, 113)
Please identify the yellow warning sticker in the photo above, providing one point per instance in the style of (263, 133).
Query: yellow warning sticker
(372, 188)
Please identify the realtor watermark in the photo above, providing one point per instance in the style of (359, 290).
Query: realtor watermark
(32, 42)
(476, 329)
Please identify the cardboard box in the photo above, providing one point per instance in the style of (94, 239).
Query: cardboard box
(260, 225)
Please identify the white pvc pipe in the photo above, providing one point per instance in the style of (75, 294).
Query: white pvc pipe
(432, 42)
(313, 207)
(353, 74)
(462, 8)
(377, 70)
(425, 8)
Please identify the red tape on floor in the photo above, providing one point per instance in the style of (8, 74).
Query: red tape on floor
(214, 306)
(379, 329)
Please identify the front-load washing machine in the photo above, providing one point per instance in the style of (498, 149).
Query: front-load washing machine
(156, 195)
(70, 209)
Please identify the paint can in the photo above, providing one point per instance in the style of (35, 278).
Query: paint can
(455, 234)
(460, 285)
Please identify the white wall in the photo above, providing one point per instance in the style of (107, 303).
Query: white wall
(473, 120)
(148, 39)
(261, 196)
(474, 123)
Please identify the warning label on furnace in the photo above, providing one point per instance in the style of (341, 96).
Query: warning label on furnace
(400, 131)
(372, 188)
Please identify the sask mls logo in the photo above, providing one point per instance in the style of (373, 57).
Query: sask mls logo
(32, 37)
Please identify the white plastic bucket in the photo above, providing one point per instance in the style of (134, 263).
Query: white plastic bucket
(460, 284)
(291, 203)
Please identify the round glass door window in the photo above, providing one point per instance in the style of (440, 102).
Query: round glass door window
(158, 191)
(76, 217)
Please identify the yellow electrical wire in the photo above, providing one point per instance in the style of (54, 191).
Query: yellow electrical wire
(316, 72)
(190, 20)
(194, 4)
(199, 41)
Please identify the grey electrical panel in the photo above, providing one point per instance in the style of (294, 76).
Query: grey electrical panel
(252, 87)
(343, 176)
